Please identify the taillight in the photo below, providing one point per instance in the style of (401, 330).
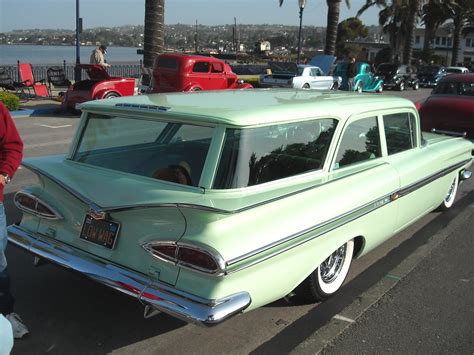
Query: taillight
(187, 256)
(31, 204)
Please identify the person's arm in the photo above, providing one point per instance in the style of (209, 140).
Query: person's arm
(11, 145)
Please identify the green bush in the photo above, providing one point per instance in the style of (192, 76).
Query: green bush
(11, 101)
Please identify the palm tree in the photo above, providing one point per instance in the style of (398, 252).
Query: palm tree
(398, 19)
(434, 14)
(461, 12)
(154, 36)
(332, 23)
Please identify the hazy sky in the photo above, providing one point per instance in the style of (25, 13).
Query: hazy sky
(27, 14)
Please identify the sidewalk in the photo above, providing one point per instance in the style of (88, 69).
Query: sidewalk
(37, 106)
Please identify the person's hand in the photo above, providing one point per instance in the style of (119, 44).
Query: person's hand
(2, 180)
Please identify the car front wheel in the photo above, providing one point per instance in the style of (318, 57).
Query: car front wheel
(328, 278)
(380, 89)
(451, 195)
(401, 86)
(416, 86)
(360, 88)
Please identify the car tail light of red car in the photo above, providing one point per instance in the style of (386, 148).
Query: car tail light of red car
(188, 256)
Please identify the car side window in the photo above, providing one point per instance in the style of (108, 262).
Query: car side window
(360, 142)
(315, 72)
(217, 68)
(400, 132)
(201, 67)
(253, 156)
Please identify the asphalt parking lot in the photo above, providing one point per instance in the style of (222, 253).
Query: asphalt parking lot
(412, 294)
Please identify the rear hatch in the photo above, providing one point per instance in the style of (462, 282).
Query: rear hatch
(143, 219)
(283, 70)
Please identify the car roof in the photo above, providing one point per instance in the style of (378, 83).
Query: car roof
(459, 78)
(183, 56)
(460, 68)
(246, 107)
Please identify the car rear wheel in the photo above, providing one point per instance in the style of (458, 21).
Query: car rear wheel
(328, 278)
(111, 95)
(360, 88)
(416, 86)
(401, 86)
(380, 89)
(306, 86)
(451, 195)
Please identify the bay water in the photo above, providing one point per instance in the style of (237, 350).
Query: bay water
(55, 55)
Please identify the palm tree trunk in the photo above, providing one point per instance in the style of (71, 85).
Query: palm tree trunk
(331, 29)
(410, 31)
(154, 36)
(458, 25)
(430, 31)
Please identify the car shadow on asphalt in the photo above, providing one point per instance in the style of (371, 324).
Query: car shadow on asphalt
(290, 337)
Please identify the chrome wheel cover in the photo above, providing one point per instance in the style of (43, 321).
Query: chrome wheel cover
(451, 192)
(332, 266)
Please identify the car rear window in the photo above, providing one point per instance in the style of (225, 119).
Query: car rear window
(151, 148)
(255, 156)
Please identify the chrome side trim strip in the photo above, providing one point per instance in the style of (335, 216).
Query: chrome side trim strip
(337, 221)
(179, 304)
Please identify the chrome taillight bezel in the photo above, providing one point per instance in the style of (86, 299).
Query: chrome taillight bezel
(54, 215)
(214, 255)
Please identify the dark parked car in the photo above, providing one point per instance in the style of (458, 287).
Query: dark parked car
(450, 107)
(397, 76)
(430, 75)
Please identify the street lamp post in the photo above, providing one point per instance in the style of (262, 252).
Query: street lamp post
(77, 70)
(301, 4)
(448, 44)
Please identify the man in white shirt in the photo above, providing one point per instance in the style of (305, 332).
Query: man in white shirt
(98, 56)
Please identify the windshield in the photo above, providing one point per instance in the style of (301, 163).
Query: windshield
(145, 147)
(387, 68)
(454, 88)
(254, 156)
(453, 70)
(429, 69)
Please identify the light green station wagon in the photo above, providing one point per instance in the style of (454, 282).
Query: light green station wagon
(208, 204)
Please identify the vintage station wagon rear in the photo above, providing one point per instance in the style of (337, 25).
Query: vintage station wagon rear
(204, 205)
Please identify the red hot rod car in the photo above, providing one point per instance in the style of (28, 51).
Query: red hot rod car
(181, 72)
(100, 85)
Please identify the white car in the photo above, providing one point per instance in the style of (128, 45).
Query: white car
(298, 76)
(457, 70)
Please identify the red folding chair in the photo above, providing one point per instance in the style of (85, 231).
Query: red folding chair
(26, 77)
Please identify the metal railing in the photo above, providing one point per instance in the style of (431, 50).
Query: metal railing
(39, 71)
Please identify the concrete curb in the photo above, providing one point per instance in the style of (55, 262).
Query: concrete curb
(323, 336)
(33, 112)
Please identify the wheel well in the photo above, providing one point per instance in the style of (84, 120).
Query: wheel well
(359, 243)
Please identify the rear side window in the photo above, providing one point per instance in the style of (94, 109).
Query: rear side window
(201, 67)
(254, 156)
(360, 142)
(168, 63)
(400, 132)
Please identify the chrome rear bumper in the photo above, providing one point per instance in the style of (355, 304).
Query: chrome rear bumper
(182, 305)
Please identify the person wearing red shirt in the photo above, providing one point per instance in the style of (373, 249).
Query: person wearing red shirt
(11, 152)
